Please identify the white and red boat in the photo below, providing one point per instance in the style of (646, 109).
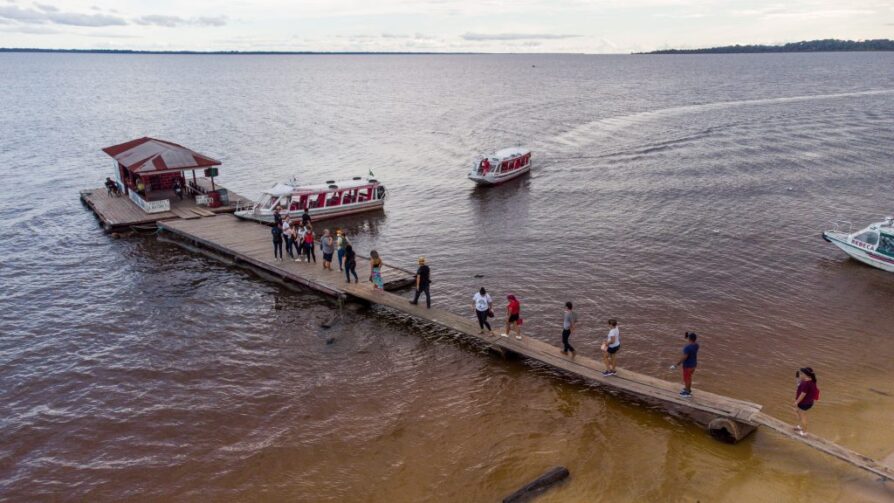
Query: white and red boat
(326, 200)
(873, 245)
(501, 166)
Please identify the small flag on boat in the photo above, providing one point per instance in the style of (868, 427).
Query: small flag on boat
(371, 172)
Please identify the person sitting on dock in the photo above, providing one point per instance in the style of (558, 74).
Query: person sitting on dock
(483, 310)
(513, 317)
(610, 347)
(688, 361)
(806, 394)
(568, 323)
(112, 187)
(350, 263)
(423, 283)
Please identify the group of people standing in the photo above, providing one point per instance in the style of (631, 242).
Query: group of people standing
(300, 244)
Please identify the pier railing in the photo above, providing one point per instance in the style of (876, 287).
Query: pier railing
(159, 206)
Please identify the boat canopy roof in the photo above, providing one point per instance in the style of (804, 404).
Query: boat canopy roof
(282, 189)
(149, 155)
(508, 153)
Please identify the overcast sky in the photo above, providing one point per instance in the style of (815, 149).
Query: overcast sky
(589, 26)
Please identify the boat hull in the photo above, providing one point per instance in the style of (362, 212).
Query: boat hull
(315, 213)
(868, 257)
(489, 179)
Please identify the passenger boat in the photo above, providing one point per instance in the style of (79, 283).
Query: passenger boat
(501, 166)
(873, 245)
(326, 200)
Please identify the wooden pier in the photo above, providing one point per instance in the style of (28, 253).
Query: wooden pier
(118, 213)
(249, 244)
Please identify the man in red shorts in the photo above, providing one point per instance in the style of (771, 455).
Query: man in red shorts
(688, 361)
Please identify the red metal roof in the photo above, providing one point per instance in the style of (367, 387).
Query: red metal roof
(147, 155)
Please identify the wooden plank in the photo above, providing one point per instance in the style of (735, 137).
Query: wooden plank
(859, 460)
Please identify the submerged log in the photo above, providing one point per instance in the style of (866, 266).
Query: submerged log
(539, 485)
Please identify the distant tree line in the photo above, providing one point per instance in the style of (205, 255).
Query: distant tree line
(827, 45)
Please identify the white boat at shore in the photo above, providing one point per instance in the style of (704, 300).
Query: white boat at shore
(872, 245)
(334, 198)
(501, 166)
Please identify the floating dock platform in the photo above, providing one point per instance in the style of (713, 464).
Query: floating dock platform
(119, 213)
(249, 244)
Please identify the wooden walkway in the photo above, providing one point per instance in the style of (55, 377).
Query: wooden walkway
(251, 243)
(232, 239)
(717, 412)
(120, 213)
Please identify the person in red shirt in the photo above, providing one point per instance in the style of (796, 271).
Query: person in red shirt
(513, 317)
(806, 394)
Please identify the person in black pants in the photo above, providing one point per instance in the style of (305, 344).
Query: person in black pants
(568, 328)
(276, 230)
(350, 263)
(423, 281)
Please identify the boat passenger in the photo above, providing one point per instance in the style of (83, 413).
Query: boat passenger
(350, 263)
(277, 242)
(299, 241)
(375, 270)
(289, 235)
(513, 317)
(568, 323)
(277, 217)
(305, 217)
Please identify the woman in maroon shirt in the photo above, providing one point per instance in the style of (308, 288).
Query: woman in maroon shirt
(806, 394)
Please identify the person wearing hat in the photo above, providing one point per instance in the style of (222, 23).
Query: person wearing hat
(423, 281)
(688, 362)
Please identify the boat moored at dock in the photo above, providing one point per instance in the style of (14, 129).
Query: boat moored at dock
(334, 198)
(501, 166)
(872, 245)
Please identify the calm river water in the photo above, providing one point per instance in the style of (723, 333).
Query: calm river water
(672, 192)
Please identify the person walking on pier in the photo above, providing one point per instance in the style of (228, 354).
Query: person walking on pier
(340, 243)
(568, 325)
(610, 347)
(423, 283)
(513, 317)
(277, 242)
(806, 394)
(309, 244)
(375, 270)
(483, 309)
(688, 362)
(327, 246)
(350, 263)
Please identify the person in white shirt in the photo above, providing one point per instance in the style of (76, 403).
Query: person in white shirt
(483, 308)
(611, 346)
(299, 243)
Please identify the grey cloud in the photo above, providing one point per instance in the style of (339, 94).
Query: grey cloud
(47, 7)
(159, 20)
(30, 30)
(34, 16)
(75, 19)
(172, 21)
(477, 37)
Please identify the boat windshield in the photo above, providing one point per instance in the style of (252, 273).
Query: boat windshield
(868, 237)
(886, 245)
(268, 201)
